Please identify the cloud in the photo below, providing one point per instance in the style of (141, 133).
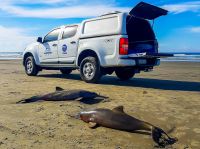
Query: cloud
(193, 6)
(63, 2)
(68, 9)
(14, 39)
(36, 1)
(194, 29)
(78, 8)
(62, 12)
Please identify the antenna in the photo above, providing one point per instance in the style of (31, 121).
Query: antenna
(152, 23)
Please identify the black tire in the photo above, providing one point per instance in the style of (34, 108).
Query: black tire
(31, 68)
(90, 70)
(124, 74)
(65, 71)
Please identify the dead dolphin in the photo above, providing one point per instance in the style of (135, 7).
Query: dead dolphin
(118, 119)
(63, 95)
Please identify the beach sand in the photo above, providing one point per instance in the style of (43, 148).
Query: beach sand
(168, 97)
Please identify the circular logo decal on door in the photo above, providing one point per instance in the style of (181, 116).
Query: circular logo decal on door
(64, 49)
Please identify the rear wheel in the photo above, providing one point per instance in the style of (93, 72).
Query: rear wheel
(124, 74)
(90, 70)
(66, 71)
(30, 66)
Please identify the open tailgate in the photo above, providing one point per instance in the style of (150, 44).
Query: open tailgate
(150, 55)
(147, 11)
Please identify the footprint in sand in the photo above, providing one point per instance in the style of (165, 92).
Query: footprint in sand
(196, 130)
(180, 131)
(195, 143)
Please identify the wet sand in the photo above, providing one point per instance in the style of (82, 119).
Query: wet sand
(168, 97)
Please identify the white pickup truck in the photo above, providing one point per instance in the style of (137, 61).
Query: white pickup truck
(118, 42)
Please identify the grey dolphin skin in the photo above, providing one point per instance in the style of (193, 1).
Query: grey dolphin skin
(118, 119)
(63, 95)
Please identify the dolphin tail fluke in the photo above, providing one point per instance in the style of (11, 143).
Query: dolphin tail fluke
(28, 100)
(21, 101)
(161, 137)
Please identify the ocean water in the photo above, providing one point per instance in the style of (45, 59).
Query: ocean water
(10, 55)
(178, 57)
(183, 57)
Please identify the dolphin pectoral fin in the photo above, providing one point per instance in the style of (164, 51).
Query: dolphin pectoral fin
(119, 109)
(105, 97)
(79, 99)
(59, 88)
(92, 125)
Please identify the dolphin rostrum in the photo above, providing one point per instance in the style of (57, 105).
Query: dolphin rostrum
(118, 119)
(63, 95)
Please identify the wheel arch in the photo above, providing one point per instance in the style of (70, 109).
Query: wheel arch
(86, 53)
(27, 55)
(33, 54)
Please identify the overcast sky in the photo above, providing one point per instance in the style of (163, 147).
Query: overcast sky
(22, 21)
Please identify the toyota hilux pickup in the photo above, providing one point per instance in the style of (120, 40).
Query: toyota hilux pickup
(118, 42)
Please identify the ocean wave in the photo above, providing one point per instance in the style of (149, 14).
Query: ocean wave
(183, 57)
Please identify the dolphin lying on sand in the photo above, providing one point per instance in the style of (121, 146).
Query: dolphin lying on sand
(63, 95)
(118, 119)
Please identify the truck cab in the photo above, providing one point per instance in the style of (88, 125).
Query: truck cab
(118, 42)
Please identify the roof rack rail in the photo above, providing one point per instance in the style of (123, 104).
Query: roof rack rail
(109, 13)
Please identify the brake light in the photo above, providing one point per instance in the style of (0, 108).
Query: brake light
(123, 46)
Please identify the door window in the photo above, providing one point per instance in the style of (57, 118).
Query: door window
(69, 32)
(52, 36)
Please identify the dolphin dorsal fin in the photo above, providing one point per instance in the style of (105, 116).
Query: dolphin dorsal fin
(59, 88)
(119, 109)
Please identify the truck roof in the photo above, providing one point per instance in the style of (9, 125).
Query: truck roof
(104, 15)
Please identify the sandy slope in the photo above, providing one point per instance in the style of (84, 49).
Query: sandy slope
(168, 97)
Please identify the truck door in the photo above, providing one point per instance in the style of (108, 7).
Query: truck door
(48, 49)
(67, 46)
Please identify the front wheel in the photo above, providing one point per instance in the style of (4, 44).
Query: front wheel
(90, 70)
(30, 66)
(124, 74)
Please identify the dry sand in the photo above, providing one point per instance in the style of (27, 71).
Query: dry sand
(168, 97)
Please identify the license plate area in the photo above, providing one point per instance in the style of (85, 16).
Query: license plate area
(142, 61)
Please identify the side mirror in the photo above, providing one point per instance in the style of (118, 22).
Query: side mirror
(39, 39)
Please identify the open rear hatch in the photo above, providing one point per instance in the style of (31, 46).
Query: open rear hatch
(147, 11)
(141, 38)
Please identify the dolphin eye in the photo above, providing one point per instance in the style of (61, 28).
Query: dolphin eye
(91, 119)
